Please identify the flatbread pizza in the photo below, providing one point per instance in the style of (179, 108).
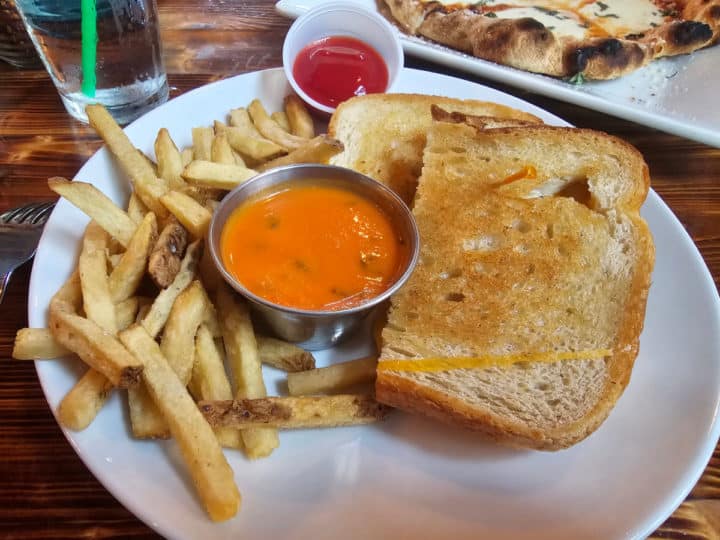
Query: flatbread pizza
(595, 39)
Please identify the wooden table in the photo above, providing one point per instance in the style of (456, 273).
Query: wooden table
(45, 490)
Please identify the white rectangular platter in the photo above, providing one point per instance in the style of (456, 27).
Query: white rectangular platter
(678, 95)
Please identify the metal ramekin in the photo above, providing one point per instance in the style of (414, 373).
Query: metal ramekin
(315, 329)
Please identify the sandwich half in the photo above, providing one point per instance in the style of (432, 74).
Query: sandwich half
(522, 319)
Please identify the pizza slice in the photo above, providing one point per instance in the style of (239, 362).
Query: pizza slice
(600, 39)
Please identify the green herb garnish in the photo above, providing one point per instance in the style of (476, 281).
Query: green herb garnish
(577, 79)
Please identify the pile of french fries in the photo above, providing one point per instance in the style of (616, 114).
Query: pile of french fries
(147, 311)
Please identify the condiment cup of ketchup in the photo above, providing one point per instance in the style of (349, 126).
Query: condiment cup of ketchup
(314, 249)
(339, 50)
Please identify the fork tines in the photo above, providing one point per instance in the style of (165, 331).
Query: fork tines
(34, 214)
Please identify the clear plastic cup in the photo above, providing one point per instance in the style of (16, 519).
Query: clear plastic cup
(128, 71)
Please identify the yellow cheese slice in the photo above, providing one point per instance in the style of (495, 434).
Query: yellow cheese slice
(481, 362)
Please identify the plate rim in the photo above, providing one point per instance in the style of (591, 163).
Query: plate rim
(673, 499)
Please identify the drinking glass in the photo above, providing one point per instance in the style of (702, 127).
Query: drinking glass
(15, 45)
(100, 51)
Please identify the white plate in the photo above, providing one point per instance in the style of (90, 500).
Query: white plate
(408, 477)
(677, 95)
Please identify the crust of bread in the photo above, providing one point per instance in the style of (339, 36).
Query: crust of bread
(475, 120)
(527, 44)
(707, 11)
(406, 394)
(406, 391)
(384, 134)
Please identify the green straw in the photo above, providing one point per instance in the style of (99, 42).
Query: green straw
(89, 46)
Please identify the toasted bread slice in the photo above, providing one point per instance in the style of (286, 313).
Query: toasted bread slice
(384, 134)
(533, 255)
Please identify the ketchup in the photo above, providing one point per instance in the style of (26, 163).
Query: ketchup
(333, 69)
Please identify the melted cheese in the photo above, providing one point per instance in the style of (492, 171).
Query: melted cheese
(561, 23)
(490, 4)
(622, 17)
(482, 362)
(578, 19)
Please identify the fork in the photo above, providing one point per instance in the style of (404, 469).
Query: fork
(20, 230)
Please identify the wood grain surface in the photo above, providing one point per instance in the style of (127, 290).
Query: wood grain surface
(45, 490)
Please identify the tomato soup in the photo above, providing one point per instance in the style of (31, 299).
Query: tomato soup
(313, 246)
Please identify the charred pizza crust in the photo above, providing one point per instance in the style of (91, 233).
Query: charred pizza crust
(528, 44)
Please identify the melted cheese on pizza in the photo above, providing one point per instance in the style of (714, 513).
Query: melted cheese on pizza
(577, 19)
(622, 17)
(561, 23)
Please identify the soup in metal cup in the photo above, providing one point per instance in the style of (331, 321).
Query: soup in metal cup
(263, 243)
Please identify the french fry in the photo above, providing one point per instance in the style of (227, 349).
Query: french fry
(270, 129)
(92, 265)
(157, 316)
(114, 247)
(202, 196)
(211, 320)
(239, 160)
(202, 142)
(127, 275)
(210, 471)
(219, 127)
(301, 123)
(210, 382)
(80, 406)
(209, 273)
(96, 347)
(281, 119)
(150, 194)
(283, 355)
(147, 185)
(146, 420)
(36, 344)
(136, 208)
(69, 295)
(143, 311)
(126, 311)
(178, 341)
(117, 141)
(256, 147)
(239, 118)
(186, 156)
(220, 151)
(166, 255)
(208, 371)
(39, 344)
(97, 205)
(241, 350)
(114, 259)
(178, 347)
(317, 150)
(149, 161)
(169, 160)
(191, 214)
(294, 412)
(332, 378)
(216, 175)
